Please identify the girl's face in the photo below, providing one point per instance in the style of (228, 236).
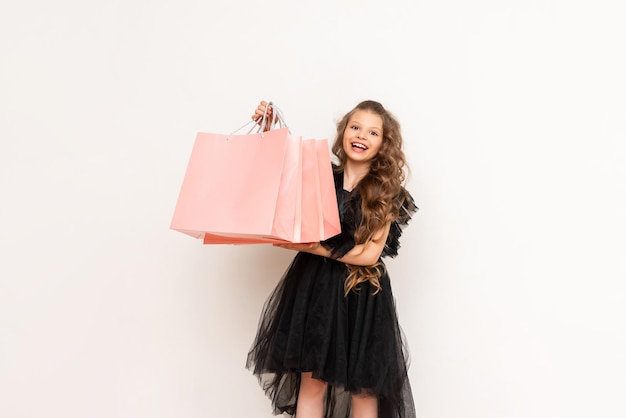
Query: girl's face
(363, 136)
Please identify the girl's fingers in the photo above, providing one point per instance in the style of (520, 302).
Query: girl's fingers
(298, 246)
(258, 114)
(260, 111)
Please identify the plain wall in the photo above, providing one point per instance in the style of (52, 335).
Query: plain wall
(510, 280)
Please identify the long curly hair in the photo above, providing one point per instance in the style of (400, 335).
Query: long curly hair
(381, 190)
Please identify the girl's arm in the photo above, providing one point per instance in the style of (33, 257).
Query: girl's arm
(366, 254)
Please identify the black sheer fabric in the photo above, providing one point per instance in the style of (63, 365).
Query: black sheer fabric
(354, 342)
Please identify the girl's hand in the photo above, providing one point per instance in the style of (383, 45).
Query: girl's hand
(260, 111)
(308, 247)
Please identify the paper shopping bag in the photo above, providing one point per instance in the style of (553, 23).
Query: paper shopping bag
(320, 215)
(318, 212)
(245, 187)
(317, 215)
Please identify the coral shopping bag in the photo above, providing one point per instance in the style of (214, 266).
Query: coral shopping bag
(241, 189)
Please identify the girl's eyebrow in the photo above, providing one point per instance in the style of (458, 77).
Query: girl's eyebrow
(372, 128)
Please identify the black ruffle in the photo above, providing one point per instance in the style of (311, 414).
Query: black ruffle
(407, 210)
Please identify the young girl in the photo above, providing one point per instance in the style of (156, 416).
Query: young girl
(329, 344)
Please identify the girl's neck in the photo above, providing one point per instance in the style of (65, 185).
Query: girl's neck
(353, 174)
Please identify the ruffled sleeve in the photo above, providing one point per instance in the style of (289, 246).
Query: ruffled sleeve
(407, 210)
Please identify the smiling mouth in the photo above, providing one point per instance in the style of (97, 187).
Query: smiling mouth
(358, 145)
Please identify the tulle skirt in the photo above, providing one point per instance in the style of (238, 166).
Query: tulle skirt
(353, 343)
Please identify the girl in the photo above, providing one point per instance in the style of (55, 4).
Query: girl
(329, 344)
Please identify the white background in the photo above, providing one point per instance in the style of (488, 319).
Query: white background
(510, 283)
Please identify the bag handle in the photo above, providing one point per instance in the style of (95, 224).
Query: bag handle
(277, 122)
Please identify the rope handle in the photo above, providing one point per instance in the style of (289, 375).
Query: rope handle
(277, 122)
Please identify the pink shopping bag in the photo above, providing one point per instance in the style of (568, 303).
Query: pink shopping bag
(241, 186)
(320, 215)
(266, 187)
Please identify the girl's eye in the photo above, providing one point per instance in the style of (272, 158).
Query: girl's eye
(374, 133)
(354, 127)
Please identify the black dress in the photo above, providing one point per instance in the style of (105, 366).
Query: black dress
(353, 343)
